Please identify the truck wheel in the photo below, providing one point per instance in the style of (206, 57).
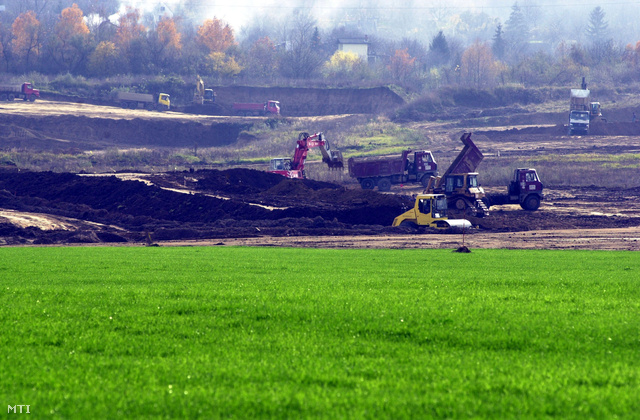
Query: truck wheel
(3, 97)
(367, 184)
(124, 105)
(133, 105)
(425, 180)
(531, 203)
(384, 184)
(10, 97)
(32, 98)
(149, 106)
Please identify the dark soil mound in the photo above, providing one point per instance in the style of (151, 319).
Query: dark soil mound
(307, 207)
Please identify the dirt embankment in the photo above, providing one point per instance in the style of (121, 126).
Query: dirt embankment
(67, 133)
(294, 102)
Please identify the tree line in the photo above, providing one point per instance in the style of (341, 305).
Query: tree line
(80, 39)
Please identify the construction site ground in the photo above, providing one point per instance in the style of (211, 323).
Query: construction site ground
(247, 206)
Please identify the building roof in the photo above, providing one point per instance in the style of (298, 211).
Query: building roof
(364, 40)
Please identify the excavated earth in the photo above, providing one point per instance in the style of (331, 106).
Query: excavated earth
(249, 207)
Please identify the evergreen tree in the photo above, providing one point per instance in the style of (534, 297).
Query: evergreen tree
(439, 51)
(499, 45)
(516, 34)
(597, 32)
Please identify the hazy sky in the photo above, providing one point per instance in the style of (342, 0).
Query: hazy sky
(240, 12)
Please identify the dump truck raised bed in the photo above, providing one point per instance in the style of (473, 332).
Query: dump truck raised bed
(409, 167)
(460, 182)
(130, 100)
(263, 108)
(24, 91)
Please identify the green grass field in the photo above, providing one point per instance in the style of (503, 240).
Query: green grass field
(197, 332)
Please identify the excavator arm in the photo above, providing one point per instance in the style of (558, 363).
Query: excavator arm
(333, 158)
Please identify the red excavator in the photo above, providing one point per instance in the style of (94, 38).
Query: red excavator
(294, 168)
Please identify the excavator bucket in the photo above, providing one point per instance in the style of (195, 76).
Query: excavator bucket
(333, 158)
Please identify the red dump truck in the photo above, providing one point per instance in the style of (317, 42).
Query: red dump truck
(409, 167)
(24, 91)
(263, 108)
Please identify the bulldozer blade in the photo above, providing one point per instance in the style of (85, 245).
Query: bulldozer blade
(459, 223)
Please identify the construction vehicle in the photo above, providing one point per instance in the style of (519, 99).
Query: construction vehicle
(24, 91)
(202, 96)
(130, 100)
(264, 108)
(525, 189)
(294, 168)
(460, 182)
(382, 172)
(430, 210)
(581, 111)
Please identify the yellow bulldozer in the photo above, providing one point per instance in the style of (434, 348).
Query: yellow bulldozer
(430, 210)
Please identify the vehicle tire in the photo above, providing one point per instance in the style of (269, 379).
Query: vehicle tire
(460, 203)
(3, 97)
(425, 180)
(133, 105)
(531, 203)
(32, 98)
(159, 108)
(149, 106)
(384, 184)
(124, 105)
(10, 97)
(367, 184)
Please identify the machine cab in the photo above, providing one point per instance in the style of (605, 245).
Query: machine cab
(434, 206)
(280, 164)
(424, 162)
(209, 96)
(164, 99)
(525, 180)
(272, 107)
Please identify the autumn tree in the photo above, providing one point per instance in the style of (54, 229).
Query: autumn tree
(129, 28)
(220, 65)
(344, 65)
(26, 32)
(478, 68)
(71, 38)
(215, 35)
(165, 43)
(130, 40)
(105, 60)
(401, 65)
(262, 60)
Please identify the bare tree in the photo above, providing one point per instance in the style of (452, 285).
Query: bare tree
(300, 60)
